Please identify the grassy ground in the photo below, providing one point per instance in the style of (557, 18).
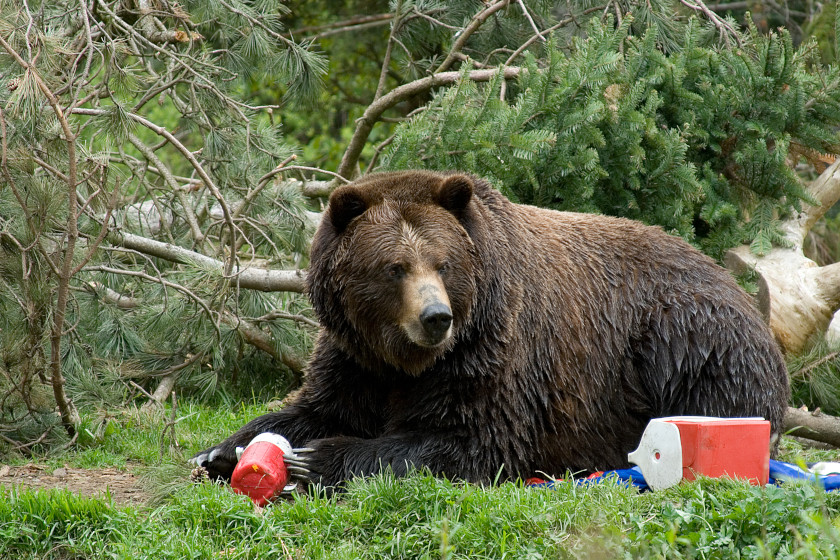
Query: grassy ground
(416, 517)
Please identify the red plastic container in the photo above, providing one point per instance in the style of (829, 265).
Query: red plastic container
(733, 447)
(261, 472)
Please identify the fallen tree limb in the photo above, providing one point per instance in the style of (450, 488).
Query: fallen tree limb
(813, 425)
(262, 279)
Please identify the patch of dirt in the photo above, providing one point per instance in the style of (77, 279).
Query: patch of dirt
(124, 487)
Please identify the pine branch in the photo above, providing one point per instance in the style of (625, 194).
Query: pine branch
(196, 165)
(261, 184)
(146, 22)
(69, 415)
(251, 333)
(169, 178)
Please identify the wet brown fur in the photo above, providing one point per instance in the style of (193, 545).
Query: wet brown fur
(570, 332)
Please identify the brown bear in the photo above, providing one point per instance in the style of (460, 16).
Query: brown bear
(476, 337)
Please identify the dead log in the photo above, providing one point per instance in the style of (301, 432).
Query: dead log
(797, 296)
(813, 425)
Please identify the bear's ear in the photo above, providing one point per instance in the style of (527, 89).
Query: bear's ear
(454, 193)
(345, 204)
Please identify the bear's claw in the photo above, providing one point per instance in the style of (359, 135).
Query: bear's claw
(297, 465)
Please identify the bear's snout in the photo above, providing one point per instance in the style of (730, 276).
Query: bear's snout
(436, 320)
(427, 317)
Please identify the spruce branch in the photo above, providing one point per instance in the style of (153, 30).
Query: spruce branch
(725, 30)
(365, 123)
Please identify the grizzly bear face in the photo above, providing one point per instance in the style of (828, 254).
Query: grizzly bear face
(397, 274)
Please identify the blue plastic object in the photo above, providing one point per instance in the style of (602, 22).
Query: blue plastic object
(779, 474)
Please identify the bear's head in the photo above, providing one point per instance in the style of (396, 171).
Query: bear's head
(393, 269)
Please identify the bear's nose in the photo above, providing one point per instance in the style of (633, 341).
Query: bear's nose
(436, 319)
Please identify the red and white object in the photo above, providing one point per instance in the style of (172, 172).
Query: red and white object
(681, 447)
(261, 472)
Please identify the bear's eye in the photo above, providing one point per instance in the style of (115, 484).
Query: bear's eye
(443, 268)
(395, 271)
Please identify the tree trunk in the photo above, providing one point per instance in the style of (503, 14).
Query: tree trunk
(797, 297)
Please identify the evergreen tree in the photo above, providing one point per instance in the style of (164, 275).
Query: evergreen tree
(699, 139)
(139, 190)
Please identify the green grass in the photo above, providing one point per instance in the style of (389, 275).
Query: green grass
(416, 517)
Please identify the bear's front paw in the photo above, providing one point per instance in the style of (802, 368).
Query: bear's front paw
(329, 462)
(219, 461)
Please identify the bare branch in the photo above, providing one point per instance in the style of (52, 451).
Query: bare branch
(826, 190)
(277, 314)
(254, 336)
(260, 279)
(571, 19)
(725, 30)
(352, 24)
(471, 28)
(530, 20)
(112, 296)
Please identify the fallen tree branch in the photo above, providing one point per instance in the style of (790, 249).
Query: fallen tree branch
(813, 425)
(261, 279)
